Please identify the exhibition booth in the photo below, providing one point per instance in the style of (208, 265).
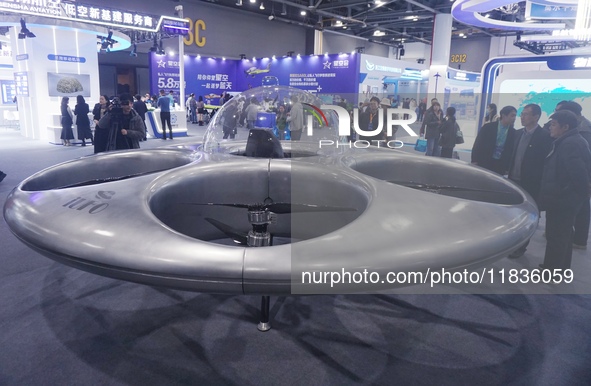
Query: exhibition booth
(178, 123)
(461, 90)
(59, 62)
(544, 80)
(55, 55)
(335, 78)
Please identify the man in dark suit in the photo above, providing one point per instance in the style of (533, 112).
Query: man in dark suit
(494, 142)
(565, 187)
(531, 146)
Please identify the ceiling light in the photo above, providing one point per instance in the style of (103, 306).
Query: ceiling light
(239, 3)
(303, 13)
(262, 6)
(253, 1)
(284, 10)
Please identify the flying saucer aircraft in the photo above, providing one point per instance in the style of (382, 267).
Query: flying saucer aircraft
(249, 215)
(252, 71)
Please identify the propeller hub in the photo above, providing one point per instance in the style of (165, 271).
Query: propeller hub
(258, 239)
(259, 217)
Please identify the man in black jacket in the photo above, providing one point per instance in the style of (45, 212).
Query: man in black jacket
(532, 145)
(141, 108)
(494, 142)
(584, 216)
(125, 125)
(565, 186)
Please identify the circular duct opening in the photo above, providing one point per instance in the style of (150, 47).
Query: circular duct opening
(107, 167)
(444, 177)
(216, 201)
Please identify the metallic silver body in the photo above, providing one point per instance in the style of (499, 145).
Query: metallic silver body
(149, 228)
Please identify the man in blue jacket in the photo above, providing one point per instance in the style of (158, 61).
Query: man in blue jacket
(164, 103)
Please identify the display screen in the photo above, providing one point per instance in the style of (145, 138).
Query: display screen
(60, 84)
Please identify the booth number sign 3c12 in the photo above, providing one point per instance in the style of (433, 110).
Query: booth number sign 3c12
(459, 58)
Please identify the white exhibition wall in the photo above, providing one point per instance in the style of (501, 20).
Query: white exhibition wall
(520, 84)
(58, 62)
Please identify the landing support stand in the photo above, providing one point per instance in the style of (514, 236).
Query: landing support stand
(264, 324)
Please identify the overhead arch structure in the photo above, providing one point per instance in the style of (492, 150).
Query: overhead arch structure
(472, 12)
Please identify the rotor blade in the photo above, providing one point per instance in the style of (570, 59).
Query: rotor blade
(286, 207)
(245, 206)
(419, 186)
(109, 179)
(236, 235)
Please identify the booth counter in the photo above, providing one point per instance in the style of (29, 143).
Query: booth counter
(178, 120)
(54, 130)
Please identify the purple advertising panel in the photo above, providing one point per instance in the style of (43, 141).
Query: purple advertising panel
(205, 77)
(209, 78)
(164, 72)
(319, 74)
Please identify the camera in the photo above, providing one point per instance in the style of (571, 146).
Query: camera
(115, 103)
(116, 113)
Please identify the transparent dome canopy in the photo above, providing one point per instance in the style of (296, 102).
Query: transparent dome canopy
(230, 129)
